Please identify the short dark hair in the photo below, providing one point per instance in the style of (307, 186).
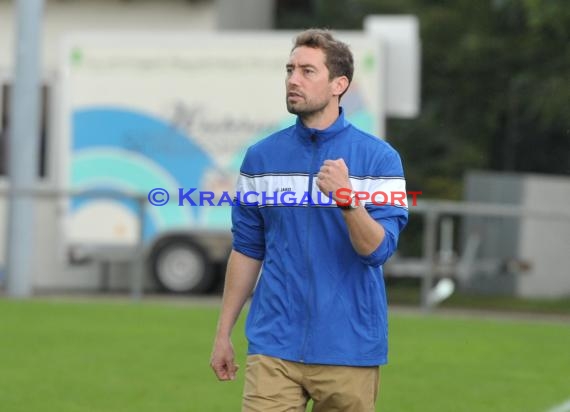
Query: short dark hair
(338, 57)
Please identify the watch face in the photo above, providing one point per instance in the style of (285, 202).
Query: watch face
(353, 201)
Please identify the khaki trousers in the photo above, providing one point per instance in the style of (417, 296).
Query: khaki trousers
(275, 385)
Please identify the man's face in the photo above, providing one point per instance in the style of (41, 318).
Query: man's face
(308, 87)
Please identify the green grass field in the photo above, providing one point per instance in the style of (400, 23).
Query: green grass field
(111, 356)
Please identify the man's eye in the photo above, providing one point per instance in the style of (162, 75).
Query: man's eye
(309, 71)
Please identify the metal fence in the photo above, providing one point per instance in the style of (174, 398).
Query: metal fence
(433, 262)
(103, 254)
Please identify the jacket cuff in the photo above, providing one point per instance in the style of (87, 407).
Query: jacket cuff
(382, 253)
(249, 251)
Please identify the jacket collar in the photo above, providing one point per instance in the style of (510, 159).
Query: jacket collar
(322, 134)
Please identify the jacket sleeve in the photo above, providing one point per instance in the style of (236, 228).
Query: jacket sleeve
(247, 222)
(388, 207)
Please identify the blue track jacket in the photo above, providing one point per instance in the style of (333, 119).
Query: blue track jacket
(317, 301)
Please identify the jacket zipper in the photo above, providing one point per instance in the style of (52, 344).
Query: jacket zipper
(307, 249)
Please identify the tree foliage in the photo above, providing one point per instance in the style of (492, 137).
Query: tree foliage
(495, 84)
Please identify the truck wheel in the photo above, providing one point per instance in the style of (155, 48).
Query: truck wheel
(182, 266)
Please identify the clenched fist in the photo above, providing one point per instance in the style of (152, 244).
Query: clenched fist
(332, 176)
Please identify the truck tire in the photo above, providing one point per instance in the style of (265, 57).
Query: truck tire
(180, 265)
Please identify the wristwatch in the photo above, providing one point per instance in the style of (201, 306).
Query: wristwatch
(352, 202)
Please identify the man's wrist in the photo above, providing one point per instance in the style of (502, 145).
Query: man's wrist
(223, 334)
(349, 204)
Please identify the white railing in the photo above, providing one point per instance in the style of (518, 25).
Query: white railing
(439, 263)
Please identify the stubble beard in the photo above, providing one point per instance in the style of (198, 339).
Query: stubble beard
(306, 110)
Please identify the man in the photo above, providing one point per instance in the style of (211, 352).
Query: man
(317, 327)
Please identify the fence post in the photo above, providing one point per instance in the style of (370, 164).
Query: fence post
(429, 255)
(138, 266)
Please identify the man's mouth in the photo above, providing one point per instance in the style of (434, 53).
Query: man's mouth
(294, 96)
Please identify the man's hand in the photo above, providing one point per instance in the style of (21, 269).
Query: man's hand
(332, 176)
(222, 361)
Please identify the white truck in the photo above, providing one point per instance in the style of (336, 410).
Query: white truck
(153, 115)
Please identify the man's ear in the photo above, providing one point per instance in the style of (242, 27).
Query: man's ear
(340, 84)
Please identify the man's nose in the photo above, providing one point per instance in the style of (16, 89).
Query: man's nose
(293, 78)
